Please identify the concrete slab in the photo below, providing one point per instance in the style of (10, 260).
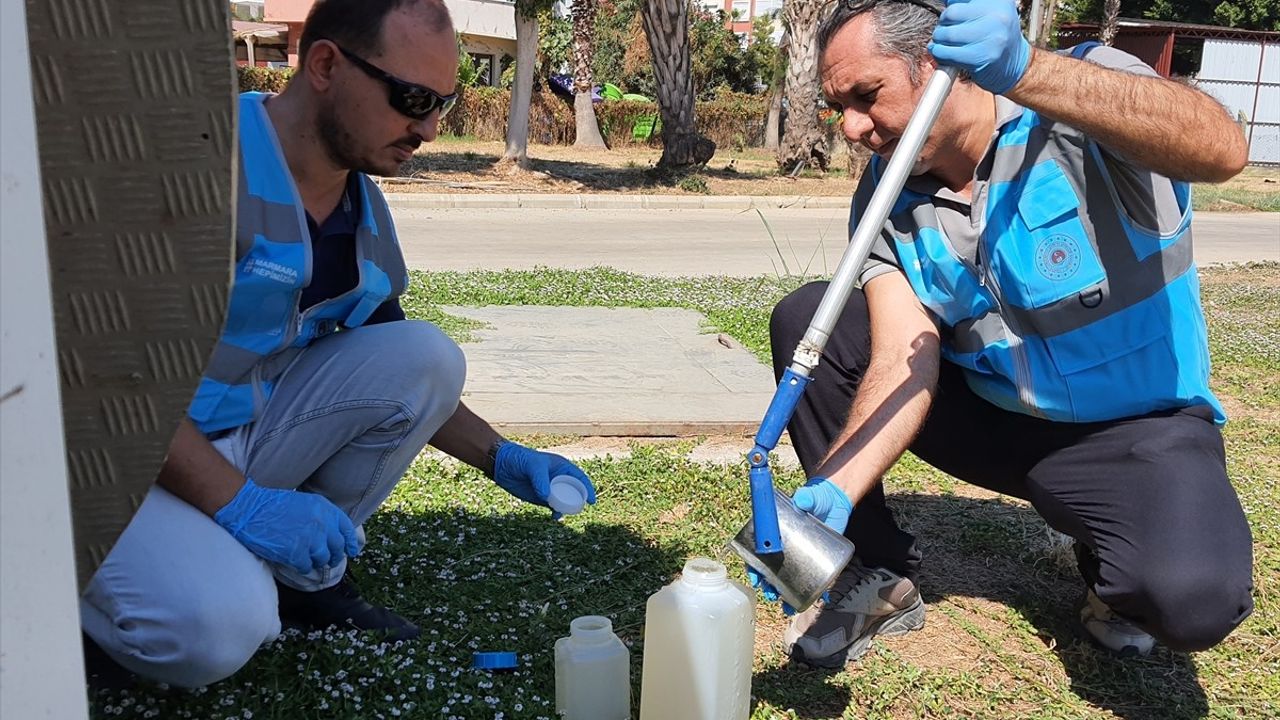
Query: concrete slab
(610, 371)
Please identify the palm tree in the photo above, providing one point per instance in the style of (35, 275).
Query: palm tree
(517, 152)
(587, 129)
(666, 25)
(1110, 20)
(802, 139)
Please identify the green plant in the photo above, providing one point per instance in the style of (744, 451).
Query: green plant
(694, 184)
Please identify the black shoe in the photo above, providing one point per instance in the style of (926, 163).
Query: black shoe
(340, 605)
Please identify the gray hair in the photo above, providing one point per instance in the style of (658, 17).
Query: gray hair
(903, 27)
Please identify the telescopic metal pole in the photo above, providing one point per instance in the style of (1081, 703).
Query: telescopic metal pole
(796, 377)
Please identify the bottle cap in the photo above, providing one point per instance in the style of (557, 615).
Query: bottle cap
(568, 495)
(494, 661)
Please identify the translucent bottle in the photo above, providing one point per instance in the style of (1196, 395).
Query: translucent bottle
(593, 672)
(699, 639)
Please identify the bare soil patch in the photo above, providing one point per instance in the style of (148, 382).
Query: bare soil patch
(464, 166)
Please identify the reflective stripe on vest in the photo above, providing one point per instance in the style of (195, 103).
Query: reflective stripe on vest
(264, 329)
(1071, 312)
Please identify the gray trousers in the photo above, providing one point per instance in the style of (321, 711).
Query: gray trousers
(178, 599)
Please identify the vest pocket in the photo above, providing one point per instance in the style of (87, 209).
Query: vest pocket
(1045, 255)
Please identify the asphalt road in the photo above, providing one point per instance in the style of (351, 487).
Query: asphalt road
(707, 242)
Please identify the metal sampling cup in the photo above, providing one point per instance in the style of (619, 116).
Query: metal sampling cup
(812, 556)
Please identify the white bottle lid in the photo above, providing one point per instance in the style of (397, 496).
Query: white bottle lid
(568, 495)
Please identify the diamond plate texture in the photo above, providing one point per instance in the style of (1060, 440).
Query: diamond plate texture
(134, 112)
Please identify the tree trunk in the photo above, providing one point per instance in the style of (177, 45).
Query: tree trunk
(522, 89)
(773, 122)
(802, 138)
(586, 127)
(666, 25)
(1110, 20)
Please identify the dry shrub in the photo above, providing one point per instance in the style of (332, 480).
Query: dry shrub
(260, 79)
(730, 120)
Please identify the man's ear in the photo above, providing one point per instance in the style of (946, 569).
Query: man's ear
(322, 56)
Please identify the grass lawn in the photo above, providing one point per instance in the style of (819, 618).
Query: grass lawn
(480, 571)
(464, 165)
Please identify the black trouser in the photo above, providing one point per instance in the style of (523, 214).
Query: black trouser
(1165, 541)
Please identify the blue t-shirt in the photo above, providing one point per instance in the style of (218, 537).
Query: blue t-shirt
(333, 256)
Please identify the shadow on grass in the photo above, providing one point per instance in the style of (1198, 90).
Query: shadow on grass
(996, 550)
(591, 175)
(472, 582)
(988, 549)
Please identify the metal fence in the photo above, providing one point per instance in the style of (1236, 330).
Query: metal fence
(1245, 77)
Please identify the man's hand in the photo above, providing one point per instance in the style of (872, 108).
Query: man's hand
(983, 38)
(299, 529)
(526, 473)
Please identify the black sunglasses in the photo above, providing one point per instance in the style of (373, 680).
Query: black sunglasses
(410, 99)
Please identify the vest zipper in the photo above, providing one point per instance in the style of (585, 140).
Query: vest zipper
(1021, 365)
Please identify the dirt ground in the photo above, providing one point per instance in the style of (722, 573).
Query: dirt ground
(460, 166)
(452, 165)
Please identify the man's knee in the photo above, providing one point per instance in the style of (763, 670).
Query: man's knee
(791, 316)
(427, 358)
(197, 643)
(1186, 605)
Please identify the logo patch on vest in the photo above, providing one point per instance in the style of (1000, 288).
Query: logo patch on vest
(1058, 257)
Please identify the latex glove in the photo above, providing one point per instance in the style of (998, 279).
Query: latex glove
(299, 529)
(824, 500)
(983, 38)
(526, 473)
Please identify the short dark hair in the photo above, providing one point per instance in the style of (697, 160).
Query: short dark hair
(356, 25)
(903, 27)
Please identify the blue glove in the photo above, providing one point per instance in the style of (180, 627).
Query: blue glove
(526, 473)
(821, 498)
(983, 38)
(288, 527)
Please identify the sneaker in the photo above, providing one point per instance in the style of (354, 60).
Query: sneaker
(863, 603)
(1113, 632)
(340, 605)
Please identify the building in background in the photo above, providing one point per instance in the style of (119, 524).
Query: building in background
(487, 29)
(742, 13)
(1241, 68)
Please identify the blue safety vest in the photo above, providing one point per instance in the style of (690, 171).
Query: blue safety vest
(264, 330)
(1070, 311)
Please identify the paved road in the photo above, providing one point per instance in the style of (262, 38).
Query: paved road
(706, 242)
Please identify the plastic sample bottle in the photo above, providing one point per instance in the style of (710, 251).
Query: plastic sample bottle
(699, 638)
(593, 672)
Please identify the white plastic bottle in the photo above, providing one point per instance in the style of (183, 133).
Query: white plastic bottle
(593, 672)
(699, 639)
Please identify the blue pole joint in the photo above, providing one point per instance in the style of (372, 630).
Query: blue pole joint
(764, 509)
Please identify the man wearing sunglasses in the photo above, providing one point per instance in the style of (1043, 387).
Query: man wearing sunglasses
(320, 392)
(1028, 321)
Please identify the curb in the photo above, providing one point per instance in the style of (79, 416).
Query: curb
(436, 201)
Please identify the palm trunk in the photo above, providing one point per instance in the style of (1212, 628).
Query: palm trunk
(517, 150)
(773, 123)
(802, 139)
(1110, 21)
(586, 127)
(666, 25)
